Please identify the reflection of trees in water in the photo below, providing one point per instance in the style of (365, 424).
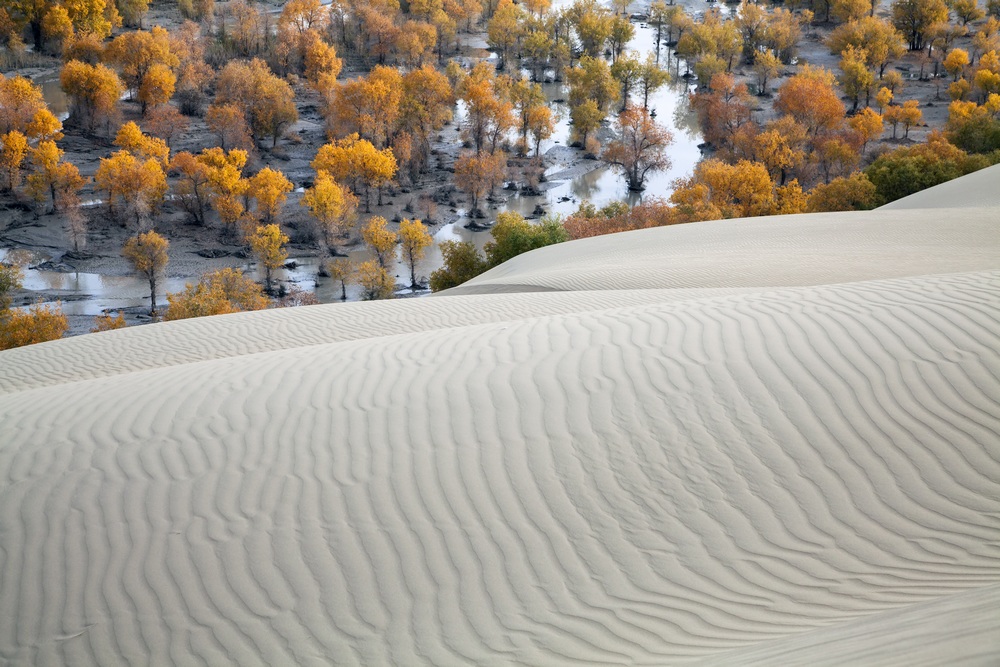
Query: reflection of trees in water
(588, 186)
(685, 119)
(53, 280)
(53, 94)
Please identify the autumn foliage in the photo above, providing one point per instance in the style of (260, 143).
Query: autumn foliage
(217, 293)
(639, 148)
(37, 324)
(147, 253)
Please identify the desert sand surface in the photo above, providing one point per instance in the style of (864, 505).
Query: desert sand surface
(769, 441)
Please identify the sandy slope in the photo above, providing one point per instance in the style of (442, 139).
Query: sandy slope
(704, 461)
(980, 189)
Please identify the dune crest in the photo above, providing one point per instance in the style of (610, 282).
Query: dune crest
(699, 461)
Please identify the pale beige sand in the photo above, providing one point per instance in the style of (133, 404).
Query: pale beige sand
(958, 629)
(979, 189)
(786, 251)
(685, 469)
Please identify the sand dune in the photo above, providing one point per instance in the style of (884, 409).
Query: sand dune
(705, 462)
(980, 189)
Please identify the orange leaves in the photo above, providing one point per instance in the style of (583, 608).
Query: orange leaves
(23, 109)
(217, 293)
(38, 324)
(230, 126)
(414, 239)
(867, 124)
(377, 236)
(369, 105)
(723, 109)
(267, 102)
(13, 151)
(720, 190)
(331, 207)
(131, 139)
(269, 189)
(147, 253)
(477, 174)
(427, 100)
(540, 124)
(267, 243)
(136, 52)
(490, 112)
(358, 162)
(108, 322)
(94, 89)
(639, 148)
(134, 186)
(51, 177)
(192, 187)
(810, 98)
(157, 87)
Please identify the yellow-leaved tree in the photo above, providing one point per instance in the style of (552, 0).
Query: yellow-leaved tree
(137, 52)
(13, 151)
(134, 188)
(267, 243)
(147, 253)
(369, 105)
(478, 174)
(144, 147)
(340, 271)
(217, 293)
(23, 109)
(331, 207)
(267, 102)
(227, 185)
(414, 239)
(94, 91)
(356, 161)
(745, 189)
(157, 87)
(108, 322)
(37, 324)
(380, 239)
(269, 189)
(192, 185)
(375, 281)
(53, 178)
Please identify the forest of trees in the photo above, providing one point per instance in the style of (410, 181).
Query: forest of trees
(190, 107)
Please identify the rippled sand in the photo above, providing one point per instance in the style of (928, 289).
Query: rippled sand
(771, 441)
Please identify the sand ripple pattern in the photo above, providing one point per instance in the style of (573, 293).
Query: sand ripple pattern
(650, 479)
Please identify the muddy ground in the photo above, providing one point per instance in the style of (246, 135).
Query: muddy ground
(432, 197)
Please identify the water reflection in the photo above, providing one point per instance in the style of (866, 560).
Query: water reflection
(53, 94)
(571, 181)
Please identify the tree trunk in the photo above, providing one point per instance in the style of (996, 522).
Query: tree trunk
(36, 34)
(152, 295)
